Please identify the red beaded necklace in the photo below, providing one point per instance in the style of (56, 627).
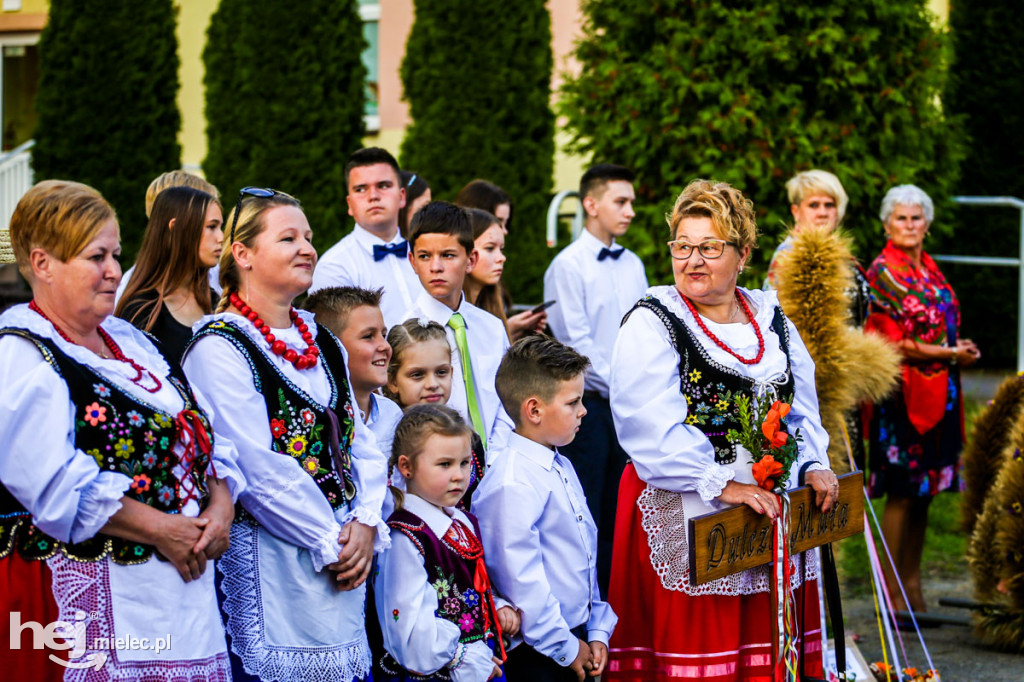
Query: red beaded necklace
(718, 342)
(301, 361)
(115, 351)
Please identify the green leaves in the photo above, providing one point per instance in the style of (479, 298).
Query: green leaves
(752, 93)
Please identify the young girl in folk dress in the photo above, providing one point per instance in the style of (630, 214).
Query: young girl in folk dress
(438, 613)
(420, 371)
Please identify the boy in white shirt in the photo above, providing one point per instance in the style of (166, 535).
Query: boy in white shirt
(353, 314)
(595, 283)
(539, 538)
(373, 254)
(441, 251)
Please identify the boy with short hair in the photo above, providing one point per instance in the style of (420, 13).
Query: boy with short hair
(354, 316)
(527, 506)
(374, 253)
(441, 251)
(594, 283)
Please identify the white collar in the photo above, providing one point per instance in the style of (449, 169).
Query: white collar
(593, 243)
(764, 301)
(438, 520)
(532, 450)
(368, 239)
(439, 312)
(135, 344)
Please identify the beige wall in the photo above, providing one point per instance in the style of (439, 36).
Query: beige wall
(193, 20)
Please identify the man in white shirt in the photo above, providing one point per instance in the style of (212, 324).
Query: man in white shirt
(374, 254)
(441, 251)
(539, 537)
(594, 283)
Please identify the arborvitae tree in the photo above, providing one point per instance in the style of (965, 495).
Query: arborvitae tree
(985, 86)
(477, 75)
(284, 103)
(751, 93)
(108, 116)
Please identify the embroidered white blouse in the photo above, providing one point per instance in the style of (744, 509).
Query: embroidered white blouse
(306, 628)
(650, 411)
(540, 544)
(71, 499)
(407, 602)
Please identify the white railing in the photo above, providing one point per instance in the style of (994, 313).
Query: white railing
(15, 179)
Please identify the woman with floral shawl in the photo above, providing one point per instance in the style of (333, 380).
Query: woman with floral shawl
(916, 434)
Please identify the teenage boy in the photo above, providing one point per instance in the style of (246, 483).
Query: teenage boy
(595, 283)
(373, 254)
(353, 314)
(539, 537)
(441, 251)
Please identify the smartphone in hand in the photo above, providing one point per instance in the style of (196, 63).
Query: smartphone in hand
(542, 307)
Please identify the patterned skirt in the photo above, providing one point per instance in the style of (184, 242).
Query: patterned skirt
(667, 634)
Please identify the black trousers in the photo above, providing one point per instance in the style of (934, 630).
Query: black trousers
(599, 461)
(525, 664)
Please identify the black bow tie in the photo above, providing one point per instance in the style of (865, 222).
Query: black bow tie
(609, 253)
(380, 252)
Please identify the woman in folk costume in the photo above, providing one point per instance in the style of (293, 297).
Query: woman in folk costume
(916, 434)
(108, 470)
(302, 546)
(683, 357)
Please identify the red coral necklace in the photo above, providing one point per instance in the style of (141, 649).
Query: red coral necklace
(721, 344)
(304, 360)
(112, 346)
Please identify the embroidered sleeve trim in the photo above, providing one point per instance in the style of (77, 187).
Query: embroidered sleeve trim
(713, 481)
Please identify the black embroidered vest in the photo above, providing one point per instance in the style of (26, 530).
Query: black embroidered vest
(126, 435)
(318, 436)
(452, 578)
(711, 388)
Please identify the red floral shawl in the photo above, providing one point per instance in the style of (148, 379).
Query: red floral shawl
(919, 304)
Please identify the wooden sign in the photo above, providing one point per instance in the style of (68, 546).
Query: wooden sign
(733, 540)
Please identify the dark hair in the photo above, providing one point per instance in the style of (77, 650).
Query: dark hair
(442, 217)
(415, 186)
(534, 367)
(600, 175)
(370, 156)
(169, 256)
(483, 194)
(419, 423)
(490, 297)
(332, 306)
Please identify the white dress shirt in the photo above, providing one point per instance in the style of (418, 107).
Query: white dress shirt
(304, 624)
(382, 420)
(592, 296)
(650, 411)
(71, 499)
(487, 341)
(407, 603)
(349, 263)
(540, 543)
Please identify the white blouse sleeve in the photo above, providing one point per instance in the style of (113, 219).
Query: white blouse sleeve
(282, 497)
(406, 604)
(62, 487)
(649, 410)
(224, 461)
(370, 474)
(804, 414)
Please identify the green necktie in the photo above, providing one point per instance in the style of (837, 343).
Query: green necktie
(458, 325)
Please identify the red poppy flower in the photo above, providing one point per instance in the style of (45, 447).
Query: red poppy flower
(278, 428)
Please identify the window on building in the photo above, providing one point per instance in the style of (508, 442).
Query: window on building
(369, 10)
(19, 82)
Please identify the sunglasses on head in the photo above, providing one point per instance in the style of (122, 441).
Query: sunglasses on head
(258, 192)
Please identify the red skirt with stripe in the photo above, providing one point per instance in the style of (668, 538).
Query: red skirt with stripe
(27, 587)
(669, 635)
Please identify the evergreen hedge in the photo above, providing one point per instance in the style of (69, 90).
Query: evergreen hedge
(751, 93)
(477, 75)
(985, 86)
(107, 106)
(284, 103)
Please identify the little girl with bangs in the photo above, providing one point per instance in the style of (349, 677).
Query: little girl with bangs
(439, 616)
